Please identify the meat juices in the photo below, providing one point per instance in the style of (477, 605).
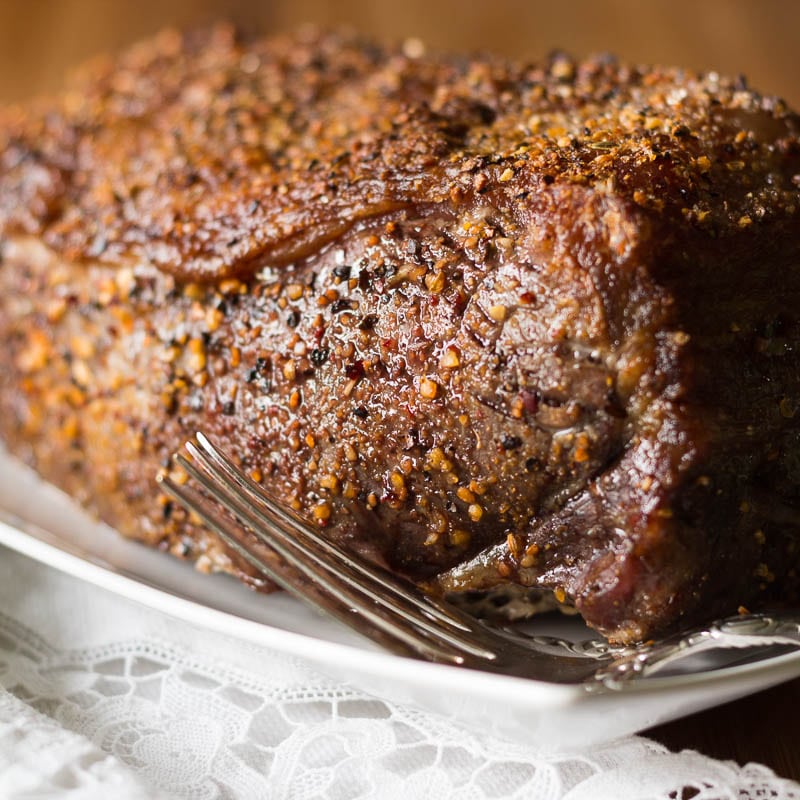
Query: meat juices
(492, 324)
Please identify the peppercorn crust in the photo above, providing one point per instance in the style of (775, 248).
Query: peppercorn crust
(488, 323)
(208, 157)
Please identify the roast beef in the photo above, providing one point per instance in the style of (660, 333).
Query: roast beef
(493, 324)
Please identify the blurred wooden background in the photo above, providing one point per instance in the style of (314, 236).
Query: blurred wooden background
(39, 39)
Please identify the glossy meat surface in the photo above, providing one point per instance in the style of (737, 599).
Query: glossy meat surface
(490, 323)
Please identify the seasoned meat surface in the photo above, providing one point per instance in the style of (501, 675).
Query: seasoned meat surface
(489, 323)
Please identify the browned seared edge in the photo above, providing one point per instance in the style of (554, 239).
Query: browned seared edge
(488, 322)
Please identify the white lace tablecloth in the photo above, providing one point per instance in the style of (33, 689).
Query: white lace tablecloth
(104, 698)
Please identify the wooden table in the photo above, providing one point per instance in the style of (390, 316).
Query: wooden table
(763, 727)
(40, 40)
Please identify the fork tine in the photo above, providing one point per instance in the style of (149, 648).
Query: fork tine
(193, 500)
(316, 543)
(316, 568)
(406, 605)
(325, 603)
(420, 630)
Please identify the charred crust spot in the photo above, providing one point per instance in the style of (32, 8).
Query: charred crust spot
(319, 355)
(342, 304)
(413, 249)
(412, 440)
(614, 409)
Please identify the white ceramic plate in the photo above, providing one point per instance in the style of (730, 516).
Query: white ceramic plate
(44, 524)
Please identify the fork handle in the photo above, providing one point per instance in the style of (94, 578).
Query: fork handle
(739, 632)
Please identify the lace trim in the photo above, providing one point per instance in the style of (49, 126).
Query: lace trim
(142, 717)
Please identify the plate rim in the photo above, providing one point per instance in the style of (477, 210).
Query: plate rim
(540, 694)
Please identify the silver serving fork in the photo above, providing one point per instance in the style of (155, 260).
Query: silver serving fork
(394, 612)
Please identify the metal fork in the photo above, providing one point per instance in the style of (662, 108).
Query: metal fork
(394, 612)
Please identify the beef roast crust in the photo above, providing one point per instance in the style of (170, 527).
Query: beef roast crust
(488, 323)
